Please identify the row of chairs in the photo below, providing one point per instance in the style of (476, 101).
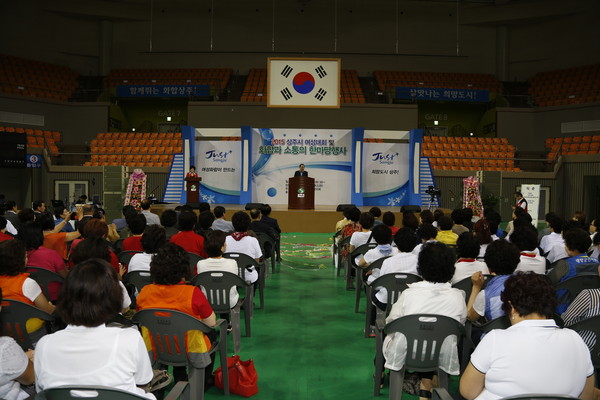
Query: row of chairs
(502, 151)
(466, 140)
(567, 86)
(138, 135)
(215, 77)
(136, 142)
(130, 160)
(390, 79)
(37, 138)
(471, 164)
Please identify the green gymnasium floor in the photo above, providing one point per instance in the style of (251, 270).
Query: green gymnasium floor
(307, 343)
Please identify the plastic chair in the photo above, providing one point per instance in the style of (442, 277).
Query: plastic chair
(243, 261)
(14, 316)
(44, 277)
(340, 247)
(424, 334)
(193, 259)
(589, 330)
(394, 284)
(139, 279)
(217, 285)
(579, 282)
(368, 293)
(125, 256)
(466, 285)
(267, 244)
(169, 330)
(360, 250)
(101, 393)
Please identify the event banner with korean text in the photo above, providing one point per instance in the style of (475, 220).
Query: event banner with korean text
(303, 82)
(423, 93)
(531, 193)
(163, 90)
(385, 174)
(219, 164)
(277, 153)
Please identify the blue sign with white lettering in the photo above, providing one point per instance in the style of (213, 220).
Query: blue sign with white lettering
(33, 161)
(421, 93)
(163, 90)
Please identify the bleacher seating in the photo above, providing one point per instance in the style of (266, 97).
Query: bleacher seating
(589, 144)
(134, 149)
(566, 86)
(469, 153)
(215, 77)
(389, 79)
(38, 138)
(23, 77)
(255, 89)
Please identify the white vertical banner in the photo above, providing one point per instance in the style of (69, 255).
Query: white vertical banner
(303, 82)
(531, 193)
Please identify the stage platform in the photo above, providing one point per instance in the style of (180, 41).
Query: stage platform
(320, 220)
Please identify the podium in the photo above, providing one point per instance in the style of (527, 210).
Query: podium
(301, 193)
(192, 187)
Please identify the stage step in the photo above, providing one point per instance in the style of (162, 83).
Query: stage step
(426, 180)
(174, 189)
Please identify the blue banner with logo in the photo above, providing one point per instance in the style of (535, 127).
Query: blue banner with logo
(219, 163)
(443, 94)
(163, 90)
(385, 174)
(33, 161)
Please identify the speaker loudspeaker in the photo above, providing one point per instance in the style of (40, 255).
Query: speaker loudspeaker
(415, 209)
(250, 206)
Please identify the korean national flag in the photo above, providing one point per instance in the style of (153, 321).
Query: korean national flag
(306, 82)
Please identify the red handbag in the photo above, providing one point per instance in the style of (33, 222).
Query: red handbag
(243, 379)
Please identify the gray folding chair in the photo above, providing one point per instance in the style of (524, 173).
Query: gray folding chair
(424, 334)
(44, 278)
(14, 316)
(360, 250)
(168, 330)
(576, 284)
(139, 279)
(217, 285)
(342, 264)
(243, 261)
(100, 393)
(466, 285)
(589, 330)
(193, 259)
(267, 244)
(125, 256)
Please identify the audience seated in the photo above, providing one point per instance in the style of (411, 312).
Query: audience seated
(16, 284)
(585, 305)
(577, 243)
(445, 234)
(555, 223)
(39, 256)
(501, 258)
(427, 233)
(241, 242)
(151, 218)
(136, 224)
(525, 238)
(433, 295)
(533, 355)
(383, 237)
(154, 238)
(559, 251)
(168, 220)
(189, 240)
(3, 235)
(17, 368)
(410, 220)
(258, 226)
(60, 214)
(376, 213)
(344, 221)
(205, 221)
(215, 247)
(389, 220)
(220, 223)
(121, 223)
(363, 236)
(169, 267)
(88, 352)
(265, 211)
(481, 230)
(467, 249)
(458, 218)
(53, 237)
(403, 262)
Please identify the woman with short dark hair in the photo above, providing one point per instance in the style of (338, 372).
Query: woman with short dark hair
(153, 239)
(533, 355)
(88, 352)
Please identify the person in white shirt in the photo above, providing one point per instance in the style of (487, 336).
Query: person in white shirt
(364, 236)
(88, 352)
(403, 262)
(481, 229)
(240, 242)
(433, 295)
(525, 238)
(427, 233)
(383, 237)
(555, 223)
(215, 247)
(467, 248)
(154, 238)
(533, 355)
